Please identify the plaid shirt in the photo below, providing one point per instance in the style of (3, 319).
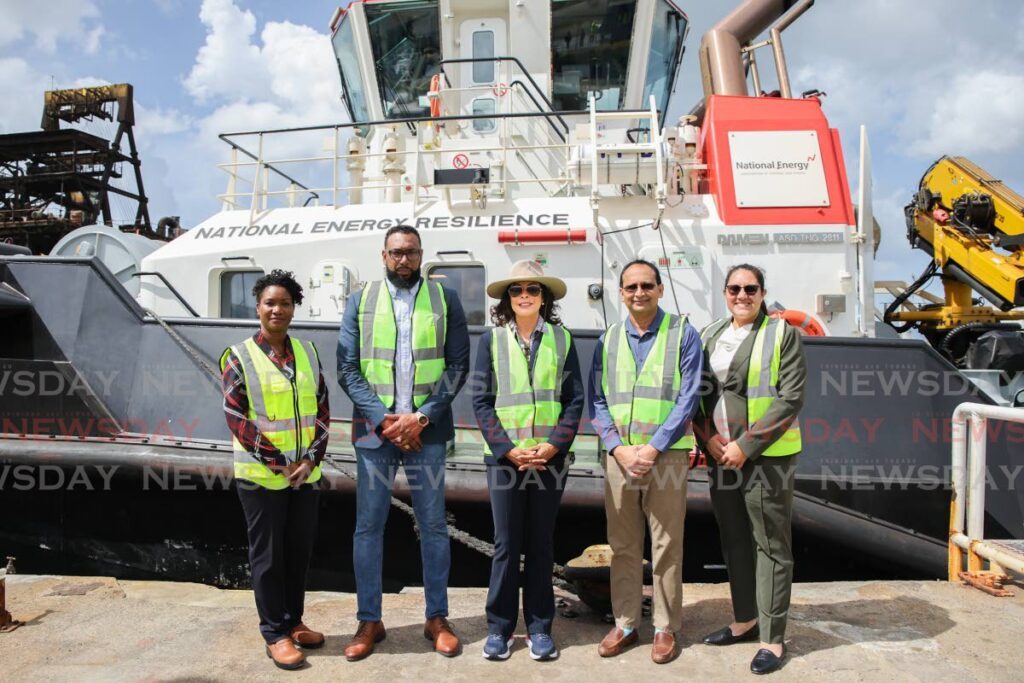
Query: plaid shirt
(236, 407)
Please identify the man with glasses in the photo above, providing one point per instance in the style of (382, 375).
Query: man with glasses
(644, 391)
(403, 355)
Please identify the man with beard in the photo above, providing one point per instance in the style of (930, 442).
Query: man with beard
(403, 355)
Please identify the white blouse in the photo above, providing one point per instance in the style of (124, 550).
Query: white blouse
(721, 359)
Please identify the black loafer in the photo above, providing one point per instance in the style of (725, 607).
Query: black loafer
(725, 637)
(765, 662)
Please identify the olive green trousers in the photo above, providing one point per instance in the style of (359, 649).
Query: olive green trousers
(754, 510)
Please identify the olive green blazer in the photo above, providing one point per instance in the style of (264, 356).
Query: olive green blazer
(753, 439)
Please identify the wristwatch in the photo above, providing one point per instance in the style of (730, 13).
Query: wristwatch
(422, 419)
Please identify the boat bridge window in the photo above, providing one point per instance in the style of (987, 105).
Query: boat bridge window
(469, 282)
(484, 106)
(406, 41)
(667, 35)
(483, 48)
(236, 297)
(590, 52)
(353, 90)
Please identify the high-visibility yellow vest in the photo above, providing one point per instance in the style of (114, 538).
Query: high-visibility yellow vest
(640, 403)
(284, 410)
(763, 380)
(378, 340)
(528, 408)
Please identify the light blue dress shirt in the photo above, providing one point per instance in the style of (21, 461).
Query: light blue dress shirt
(403, 301)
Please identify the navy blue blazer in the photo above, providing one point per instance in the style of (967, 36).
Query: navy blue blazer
(368, 412)
(484, 389)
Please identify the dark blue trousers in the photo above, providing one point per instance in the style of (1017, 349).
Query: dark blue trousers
(525, 507)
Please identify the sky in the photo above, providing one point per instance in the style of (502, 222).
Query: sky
(926, 78)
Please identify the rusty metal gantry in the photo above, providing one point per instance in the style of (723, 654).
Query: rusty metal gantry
(70, 170)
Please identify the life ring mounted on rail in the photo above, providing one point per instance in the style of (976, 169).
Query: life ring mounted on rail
(805, 322)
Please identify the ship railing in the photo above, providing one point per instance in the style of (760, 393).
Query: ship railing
(539, 161)
(969, 476)
(507, 80)
(255, 179)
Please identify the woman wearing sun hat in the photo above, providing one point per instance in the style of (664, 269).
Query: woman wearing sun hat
(528, 398)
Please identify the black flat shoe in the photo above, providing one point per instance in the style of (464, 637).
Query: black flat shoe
(765, 662)
(725, 637)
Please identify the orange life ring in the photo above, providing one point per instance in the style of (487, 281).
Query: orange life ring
(804, 322)
(435, 95)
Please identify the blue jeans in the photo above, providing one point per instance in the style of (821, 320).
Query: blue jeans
(376, 476)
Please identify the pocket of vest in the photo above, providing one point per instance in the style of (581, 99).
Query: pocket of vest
(307, 405)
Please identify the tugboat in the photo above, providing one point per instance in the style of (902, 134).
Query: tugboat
(503, 130)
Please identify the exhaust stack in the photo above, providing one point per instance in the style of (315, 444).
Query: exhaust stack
(723, 63)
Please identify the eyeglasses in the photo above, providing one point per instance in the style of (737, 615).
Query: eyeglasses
(749, 290)
(399, 254)
(517, 290)
(646, 286)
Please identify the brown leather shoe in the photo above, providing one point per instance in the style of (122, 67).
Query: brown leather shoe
(285, 654)
(438, 630)
(615, 642)
(664, 649)
(306, 637)
(368, 634)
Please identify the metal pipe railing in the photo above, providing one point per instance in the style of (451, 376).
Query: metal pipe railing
(968, 478)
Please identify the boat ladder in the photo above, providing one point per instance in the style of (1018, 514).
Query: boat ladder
(653, 146)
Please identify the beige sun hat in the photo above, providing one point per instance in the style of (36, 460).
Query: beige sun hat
(526, 271)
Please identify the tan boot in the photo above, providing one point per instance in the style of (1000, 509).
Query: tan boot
(368, 634)
(285, 654)
(307, 638)
(439, 631)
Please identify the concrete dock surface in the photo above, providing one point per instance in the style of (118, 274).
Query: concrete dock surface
(103, 629)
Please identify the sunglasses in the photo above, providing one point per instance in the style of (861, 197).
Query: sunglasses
(646, 286)
(749, 290)
(398, 254)
(517, 290)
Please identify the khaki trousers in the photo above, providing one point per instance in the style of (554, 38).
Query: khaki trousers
(659, 500)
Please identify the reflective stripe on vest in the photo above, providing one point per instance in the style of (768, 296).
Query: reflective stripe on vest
(528, 410)
(282, 409)
(378, 340)
(640, 403)
(763, 382)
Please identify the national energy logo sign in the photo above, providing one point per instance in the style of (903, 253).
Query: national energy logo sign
(777, 168)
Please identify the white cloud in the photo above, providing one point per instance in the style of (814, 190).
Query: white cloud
(21, 107)
(228, 65)
(50, 23)
(157, 121)
(978, 113)
(280, 76)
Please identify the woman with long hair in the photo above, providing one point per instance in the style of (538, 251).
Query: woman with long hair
(755, 373)
(528, 397)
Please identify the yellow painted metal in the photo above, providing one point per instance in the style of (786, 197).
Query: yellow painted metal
(1000, 270)
(953, 177)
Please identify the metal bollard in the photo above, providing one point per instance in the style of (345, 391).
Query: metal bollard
(7, 622)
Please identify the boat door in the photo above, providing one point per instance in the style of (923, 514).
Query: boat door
(483, 82)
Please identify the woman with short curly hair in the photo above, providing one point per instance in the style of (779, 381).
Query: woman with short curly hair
(275, 403)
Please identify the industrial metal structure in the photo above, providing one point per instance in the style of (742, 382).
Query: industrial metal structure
(57, 179)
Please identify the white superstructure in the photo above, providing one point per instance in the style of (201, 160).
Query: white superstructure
(550, 143)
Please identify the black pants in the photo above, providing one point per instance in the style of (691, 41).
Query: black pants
(525, 506)
(282, 528)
